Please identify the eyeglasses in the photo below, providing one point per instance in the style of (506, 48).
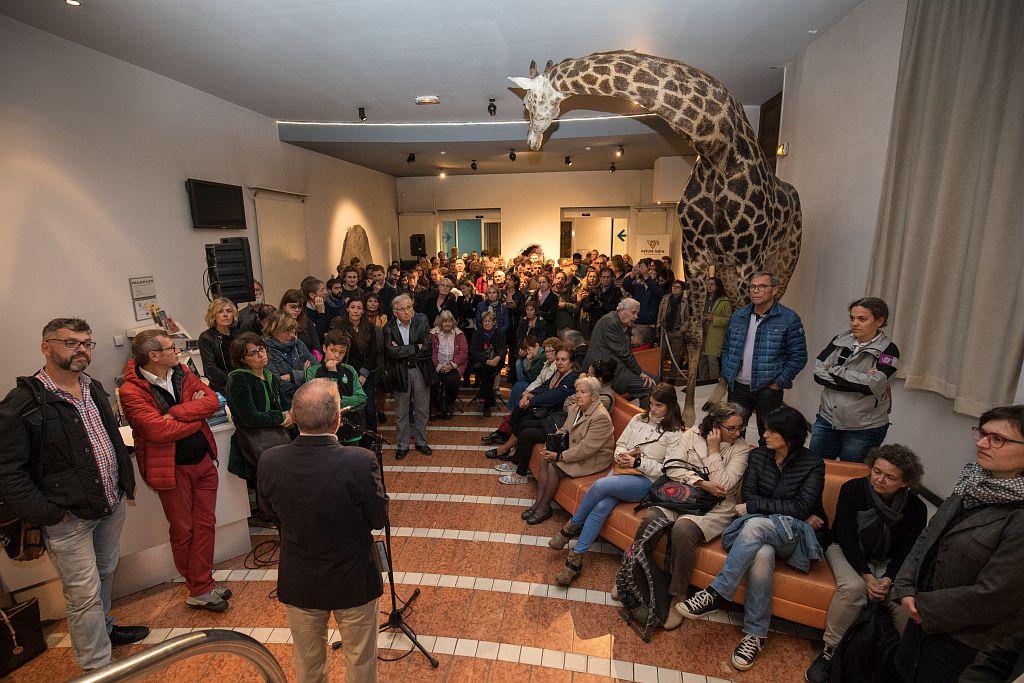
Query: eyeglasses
(172, 347)
(403, 308)
(734, 430)
(256, 352)
(997, 440)
(74, 343)
(760, 288)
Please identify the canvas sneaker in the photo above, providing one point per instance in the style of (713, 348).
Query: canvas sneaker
(747, 651)
(513, 478)
(703, 602)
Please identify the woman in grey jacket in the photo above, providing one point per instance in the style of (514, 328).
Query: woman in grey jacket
(855, 370)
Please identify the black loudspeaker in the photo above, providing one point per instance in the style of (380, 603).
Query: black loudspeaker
(418, 244)
(229, 267)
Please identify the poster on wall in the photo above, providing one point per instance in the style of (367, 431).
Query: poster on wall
(143, 291)
(653, 246)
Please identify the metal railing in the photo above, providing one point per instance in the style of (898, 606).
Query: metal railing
(216, 641)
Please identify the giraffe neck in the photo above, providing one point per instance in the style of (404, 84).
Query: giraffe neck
(695, 104)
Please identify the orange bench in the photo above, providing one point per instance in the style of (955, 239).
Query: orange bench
(650, 361)
(802, 598)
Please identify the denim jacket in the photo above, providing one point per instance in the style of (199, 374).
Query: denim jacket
(790, 530)
(780, 347)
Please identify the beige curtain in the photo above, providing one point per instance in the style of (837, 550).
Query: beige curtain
(949, 249)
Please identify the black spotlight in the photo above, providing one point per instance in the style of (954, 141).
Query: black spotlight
(568, 161)
(611, 168)
(362, 113)
(473, 165)
(492, 108)
(511, 155)
(411, 158)
(619, 152)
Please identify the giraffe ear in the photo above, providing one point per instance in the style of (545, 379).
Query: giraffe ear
(523, 82)
(533, 69)
(550, 65)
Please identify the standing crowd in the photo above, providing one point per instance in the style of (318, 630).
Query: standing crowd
(306, 381)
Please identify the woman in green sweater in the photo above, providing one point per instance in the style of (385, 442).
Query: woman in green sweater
(715, 318)
(353, 399)
(254, 397)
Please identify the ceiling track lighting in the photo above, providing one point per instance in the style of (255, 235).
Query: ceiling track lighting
(568, 161)
(619, 152)
(611, 167)
(411, 159)
(492, 108)
(473, 165)
(362, 113)
(512, 155)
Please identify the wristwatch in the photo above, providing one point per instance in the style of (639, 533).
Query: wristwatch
(636, 463)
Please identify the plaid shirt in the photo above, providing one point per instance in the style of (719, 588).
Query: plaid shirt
(99, 441)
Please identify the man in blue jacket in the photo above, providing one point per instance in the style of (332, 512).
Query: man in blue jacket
(764, 350)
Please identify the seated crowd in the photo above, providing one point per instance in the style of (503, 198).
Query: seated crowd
(564, 336)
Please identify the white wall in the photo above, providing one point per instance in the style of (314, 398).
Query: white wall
(836, 116)
(94, 153)
(530, 203)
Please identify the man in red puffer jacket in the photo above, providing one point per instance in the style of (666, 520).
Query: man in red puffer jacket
(167, 406)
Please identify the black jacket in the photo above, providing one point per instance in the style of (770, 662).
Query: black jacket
(795, 490)
(1000, 662)
(426, 303)
(538, 329)
(419, 352)
(854, 496)
(216, 363)
(548, 309)
(46, 463)
(482, 349)
(326, 499)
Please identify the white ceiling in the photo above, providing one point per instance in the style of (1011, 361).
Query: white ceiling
(319, 60)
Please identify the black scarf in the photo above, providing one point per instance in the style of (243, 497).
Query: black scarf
(672, 314)
(874, 525)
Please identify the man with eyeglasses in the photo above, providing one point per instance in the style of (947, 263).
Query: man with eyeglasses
(64, 466)
(410, 352)
(167, 407)
(764, 350)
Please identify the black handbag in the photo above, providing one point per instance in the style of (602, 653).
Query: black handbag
(676, 495)
(253, 441)
(21, 635)
(557, 442)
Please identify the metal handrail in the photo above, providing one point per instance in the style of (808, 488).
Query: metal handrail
(159, 656)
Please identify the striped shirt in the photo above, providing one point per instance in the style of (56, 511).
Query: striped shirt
(100, 444)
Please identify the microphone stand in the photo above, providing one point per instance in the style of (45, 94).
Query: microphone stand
(396, 617)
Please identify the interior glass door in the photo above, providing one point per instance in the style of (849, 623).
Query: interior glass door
(469, 235)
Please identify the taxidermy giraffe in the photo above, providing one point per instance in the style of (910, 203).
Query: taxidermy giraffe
(735, 215)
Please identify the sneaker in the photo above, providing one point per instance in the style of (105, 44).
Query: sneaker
(207, 601)
(222, 593)
(703, 602)
(747, 651)
(513, 478)
(821, 667)
(673, 621)
(505, 467)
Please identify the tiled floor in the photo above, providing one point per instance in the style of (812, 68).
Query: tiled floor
(489, 608)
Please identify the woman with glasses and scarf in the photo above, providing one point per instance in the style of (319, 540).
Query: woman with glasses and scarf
(961, 583)
(878, 519)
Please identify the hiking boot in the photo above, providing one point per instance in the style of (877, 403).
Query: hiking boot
(674, 619)
(565, 534)
(747, 651)
(573, 567)
(821, 667)
(703, 602)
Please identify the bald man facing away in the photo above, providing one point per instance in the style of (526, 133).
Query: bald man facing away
(326, 499)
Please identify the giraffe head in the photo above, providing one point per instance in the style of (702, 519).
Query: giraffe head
(542, 101)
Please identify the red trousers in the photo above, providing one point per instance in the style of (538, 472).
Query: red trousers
(190, 508)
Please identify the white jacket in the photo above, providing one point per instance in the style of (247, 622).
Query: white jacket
(655, 445)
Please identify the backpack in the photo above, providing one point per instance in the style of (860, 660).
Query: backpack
(642, 586)
(867, 652)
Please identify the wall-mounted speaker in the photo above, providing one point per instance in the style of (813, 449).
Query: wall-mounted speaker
(229, 267)
(418, 244)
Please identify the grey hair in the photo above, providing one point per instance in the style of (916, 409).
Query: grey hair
(572, 337)
(628, 303)
(315, 406)
(146, 342)
(488, 315)
(589, 384)
(719, 413)
(73, 324)
(443, 317)
(394, 302)
(765, 273)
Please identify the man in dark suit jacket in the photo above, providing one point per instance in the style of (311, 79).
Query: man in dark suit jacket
(410, 352)
(326, 499)
(610, 339)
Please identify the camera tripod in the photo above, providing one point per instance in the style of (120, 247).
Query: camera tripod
(396, 617)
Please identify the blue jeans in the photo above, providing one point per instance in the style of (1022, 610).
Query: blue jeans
(601, 499)
(849, 445)
(518, 389)
(85, 553)
(753, 555)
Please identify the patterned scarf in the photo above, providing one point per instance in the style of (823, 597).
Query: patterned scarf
(977, 487)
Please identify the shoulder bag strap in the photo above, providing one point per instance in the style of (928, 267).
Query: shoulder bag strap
(15, 649)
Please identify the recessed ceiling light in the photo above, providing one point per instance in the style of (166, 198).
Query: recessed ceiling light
(473, 165)
(568, 161)
(362, 113)
(619, 152)
(73, 3)
(411, 158)
(511, 155)
(813, 32)
(587, 148)
(427, 99)
(442, 175)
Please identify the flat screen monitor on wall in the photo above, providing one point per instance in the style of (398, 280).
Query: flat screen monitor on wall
(215, 206)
